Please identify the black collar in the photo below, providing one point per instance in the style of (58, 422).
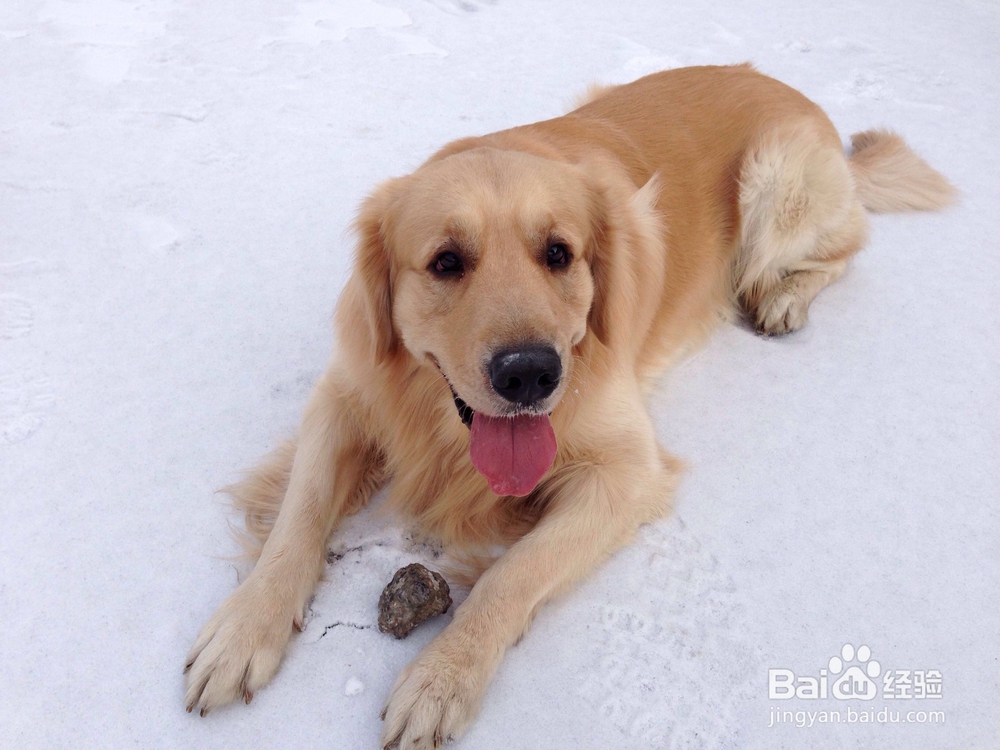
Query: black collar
(464, 410)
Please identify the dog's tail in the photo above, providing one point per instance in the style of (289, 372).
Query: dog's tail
(889, 175)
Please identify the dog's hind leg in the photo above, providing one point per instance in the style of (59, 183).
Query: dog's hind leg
(259, 494)
(800, 222)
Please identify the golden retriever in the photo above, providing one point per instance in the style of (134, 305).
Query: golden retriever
(511, 303)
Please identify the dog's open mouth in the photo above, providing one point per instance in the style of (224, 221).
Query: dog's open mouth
(513, 453)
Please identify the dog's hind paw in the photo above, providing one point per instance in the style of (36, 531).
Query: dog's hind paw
(784, 309)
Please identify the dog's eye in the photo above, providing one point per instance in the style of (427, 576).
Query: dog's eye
(557, 255)
(447, 264)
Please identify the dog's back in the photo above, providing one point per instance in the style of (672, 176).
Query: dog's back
(761, 206)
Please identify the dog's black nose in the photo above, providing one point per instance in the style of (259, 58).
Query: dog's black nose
(526, 376)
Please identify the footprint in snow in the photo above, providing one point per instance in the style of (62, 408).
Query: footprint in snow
(668, 666)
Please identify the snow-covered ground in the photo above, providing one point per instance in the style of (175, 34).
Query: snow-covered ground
(175, 182)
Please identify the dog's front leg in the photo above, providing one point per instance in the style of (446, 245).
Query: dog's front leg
(239, 648)
(593, 510)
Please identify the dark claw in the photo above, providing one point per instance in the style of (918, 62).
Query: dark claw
(297, 624)
(197, 698)
(243, 680)
(187, 667)
(246, 692)
(382, 715)
(204, 712)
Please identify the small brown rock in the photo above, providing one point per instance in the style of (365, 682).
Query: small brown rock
(415, 594)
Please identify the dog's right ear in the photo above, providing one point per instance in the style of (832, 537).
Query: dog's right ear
(374, 268)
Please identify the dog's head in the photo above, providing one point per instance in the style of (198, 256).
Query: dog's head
(492, 266)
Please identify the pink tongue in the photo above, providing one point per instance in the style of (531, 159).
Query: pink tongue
(513, 453)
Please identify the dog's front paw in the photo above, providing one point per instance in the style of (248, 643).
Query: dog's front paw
(238, 650)
(783, 310)
(437, 696)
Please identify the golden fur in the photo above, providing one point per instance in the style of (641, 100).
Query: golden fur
(683, 197)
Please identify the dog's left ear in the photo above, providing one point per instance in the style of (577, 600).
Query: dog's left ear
(624, 227)
(373, 266)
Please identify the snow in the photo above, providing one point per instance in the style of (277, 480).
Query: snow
(175, 183)
(354, 686)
